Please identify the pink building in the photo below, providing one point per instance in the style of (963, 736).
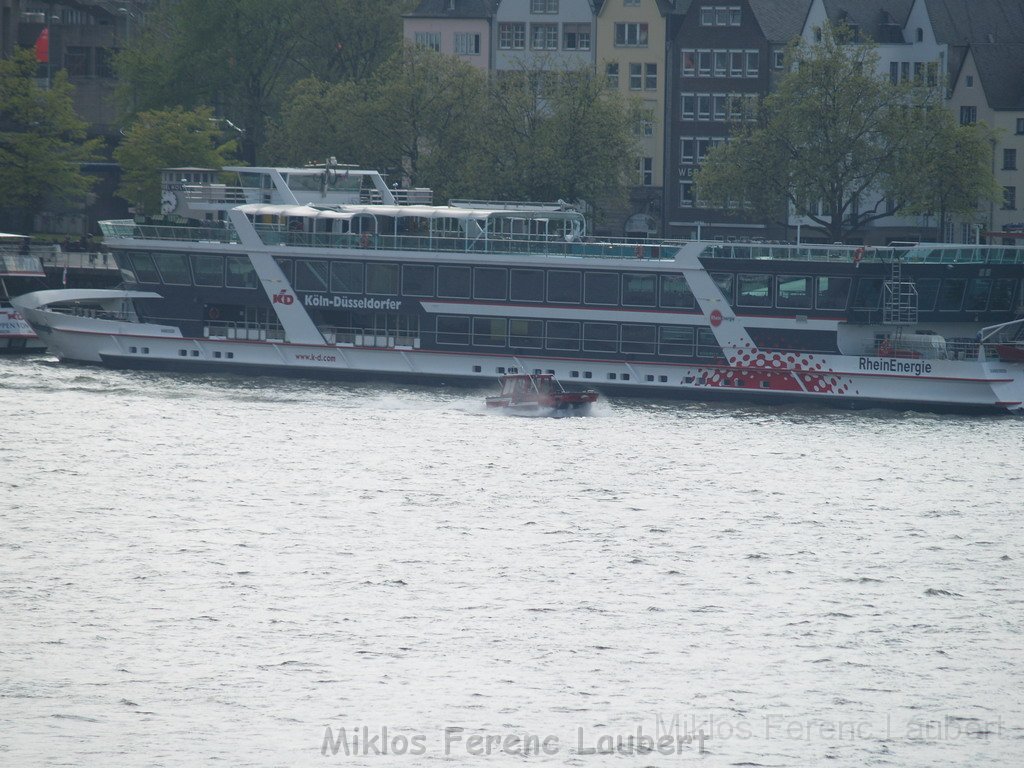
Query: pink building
(458, 27)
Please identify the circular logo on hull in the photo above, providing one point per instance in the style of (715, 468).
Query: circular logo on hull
(716, 318)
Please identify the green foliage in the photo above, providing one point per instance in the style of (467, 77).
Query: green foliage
(951, 173)
(833, 132)
(167, 139)
(42, 141)
(438, 122)
(243, 55)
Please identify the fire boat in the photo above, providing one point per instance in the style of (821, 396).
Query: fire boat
(540, 394)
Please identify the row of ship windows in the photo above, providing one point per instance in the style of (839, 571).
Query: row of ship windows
(572, 336)
(183, 353)
(501, 370)
(950, 294)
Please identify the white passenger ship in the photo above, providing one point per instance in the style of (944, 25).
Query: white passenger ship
(328, 272)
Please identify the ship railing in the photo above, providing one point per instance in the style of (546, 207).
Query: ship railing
(127, 228)
(414, 196)
(352, 336)
(77, 310)
(243, 331)
(937, 348)
(220, 194)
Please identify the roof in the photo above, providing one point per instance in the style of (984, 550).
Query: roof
(780, 20)
(879, 20)
(1001, 71)
(962, 22)
(453, 9)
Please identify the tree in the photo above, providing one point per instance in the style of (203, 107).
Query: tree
(42, 142)
(348, 40)
(165, 139)
(834, 133)
(954, 171)
(193, 52)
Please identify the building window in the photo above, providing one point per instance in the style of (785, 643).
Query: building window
(633, 34)
(686, 193)
(1020, 126)
(105, 62)
(611, 73)
(904, 71)
(646, 168)
(703, 63)
(969, 81)
(650, 77)
(703, 106)
(76, 61)
(933, 73)
(778, 59)
(1009, 198)
(718, 102)
(467, 44)
(431, 40)
(920, 35)
(720, 16)
(576, 37)
(544, 37)
(636, 79)
(753, 63)
(688, 105)
(1009, 159)
(968, 115)
(894, 72)
(689, 64)
(721, 59)
(512, 36)
(543, 6)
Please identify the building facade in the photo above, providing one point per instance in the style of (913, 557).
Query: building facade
(544, 35)
(461, 28)
(630, 52)
(723, 58)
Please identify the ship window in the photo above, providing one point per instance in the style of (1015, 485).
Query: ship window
(527, 285)
(601, 288)
(663, 379)
(676, 341)
(490, 331)
(125, 264)
(638, 339)
(286, 268)
(310, 275)
(230, 355)
(1002, 295)
(869, 293)
(418, 280)
(755, 290)
(382, 279)
(563, 335)
(612, 376)
(707, 345)
(927, 291)
(132, 350)
(454, 282)
(601, 337)
(794, 291)
(346, 277)
(977, 295)
(240, 272)
(724, 282)
(564, 287)
(833, 292)
(675, 292)
(145, 268)
(477, 369)
(216, 354)
(526, 333)
(195, 352)
(182, 353)
(649, 377)
(208, 269)
(638, 290)
(951, 295)
(173, 268)
(490, 283)
(452, 330)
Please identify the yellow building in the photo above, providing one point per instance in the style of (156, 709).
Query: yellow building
(630, 53)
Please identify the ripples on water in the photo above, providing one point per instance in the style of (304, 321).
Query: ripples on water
(220, 568)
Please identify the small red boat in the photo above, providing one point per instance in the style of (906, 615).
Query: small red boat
(540, 394)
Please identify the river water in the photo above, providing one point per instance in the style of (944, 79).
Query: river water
(276, 572)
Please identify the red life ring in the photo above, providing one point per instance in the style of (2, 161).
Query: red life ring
(858, 255)
(214, 313)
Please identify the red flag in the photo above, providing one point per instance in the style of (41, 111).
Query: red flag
(43, 46)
